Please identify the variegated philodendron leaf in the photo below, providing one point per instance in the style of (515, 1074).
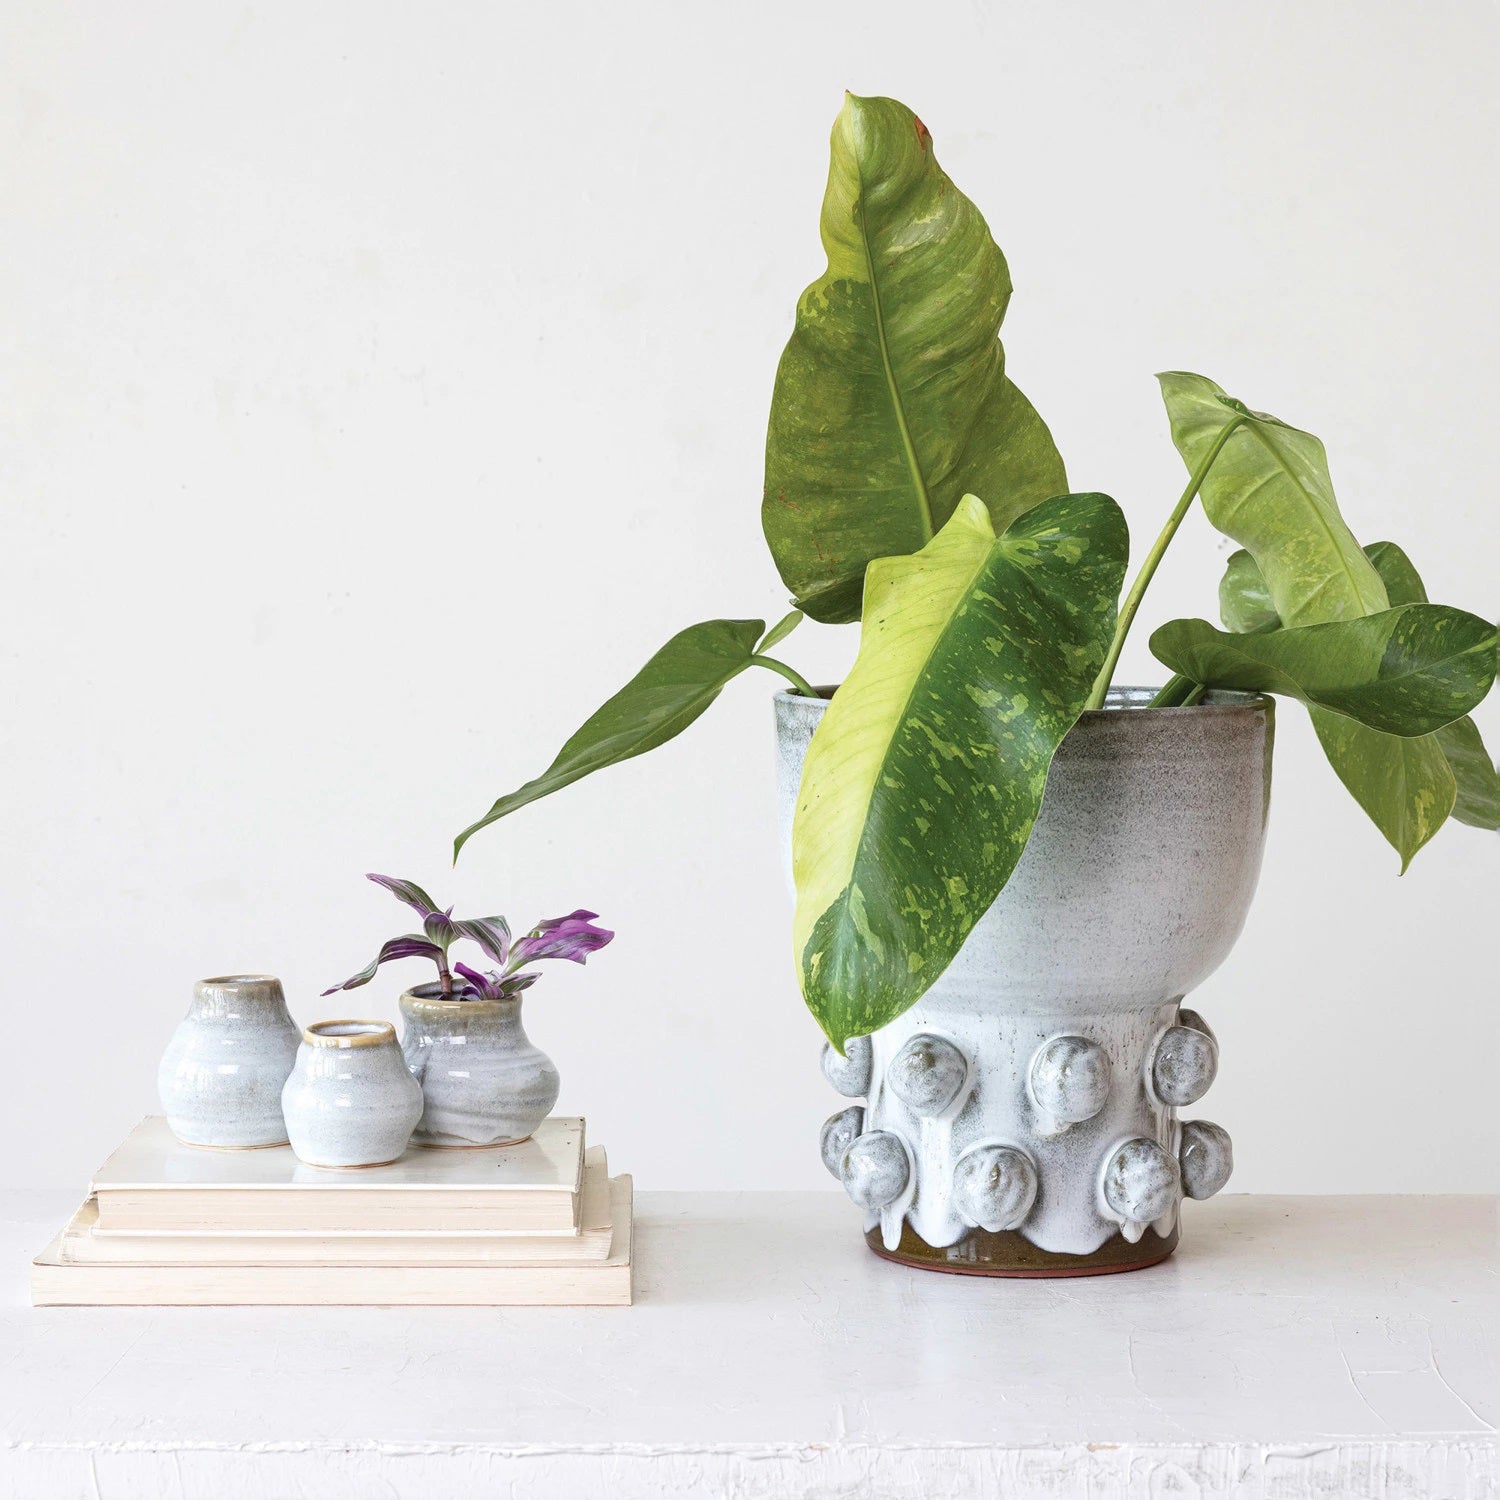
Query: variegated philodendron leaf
(1404, 671)
(926, 774)
(1407, 785)
(891, 399)
(1269, 490)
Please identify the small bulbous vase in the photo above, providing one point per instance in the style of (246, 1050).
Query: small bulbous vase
(483, 1081)
(350, 1101)
(220, 1078)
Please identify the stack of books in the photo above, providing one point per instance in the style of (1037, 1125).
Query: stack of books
(539, 1223)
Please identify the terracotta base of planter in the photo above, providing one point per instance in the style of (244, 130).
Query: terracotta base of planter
(981, 1253)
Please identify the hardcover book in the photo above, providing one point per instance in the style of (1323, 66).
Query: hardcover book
(155, 1184)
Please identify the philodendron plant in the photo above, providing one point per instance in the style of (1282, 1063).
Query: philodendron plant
(572, 937)
(909, 484)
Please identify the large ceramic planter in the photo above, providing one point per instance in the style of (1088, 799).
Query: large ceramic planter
(1021, 1119)
(220, 1078)
(483, 1081)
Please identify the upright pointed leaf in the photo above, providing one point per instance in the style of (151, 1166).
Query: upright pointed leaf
(1404, 671)
(925, 776)
(659, 702)
(891, 399)
(1269, 489)
(781, 630)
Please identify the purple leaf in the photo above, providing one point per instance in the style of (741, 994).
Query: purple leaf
(413, 945)
(572, 937)
(408, 891)
(491, 933)
(483, 984)
(440, 927)
(515, 983)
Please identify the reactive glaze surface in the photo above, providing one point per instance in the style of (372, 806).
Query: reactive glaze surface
(220, 1078)
(483, 1081)
(350, 1101)
(1030, 1095)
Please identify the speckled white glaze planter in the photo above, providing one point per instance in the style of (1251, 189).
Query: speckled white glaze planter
(1021, 1119)
(484, 1083)
(350, 1101)
(220, 1078)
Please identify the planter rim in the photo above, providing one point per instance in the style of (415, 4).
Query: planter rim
(429, 997)
(1135, 699)
(354, 1033)
(239, 981)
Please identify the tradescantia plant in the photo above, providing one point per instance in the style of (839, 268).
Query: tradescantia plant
(909, 484)
(572, 937)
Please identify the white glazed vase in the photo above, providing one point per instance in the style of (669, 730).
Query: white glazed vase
(350, 1101)
(1021, 1118)
(484, 1083)
(220, 1078)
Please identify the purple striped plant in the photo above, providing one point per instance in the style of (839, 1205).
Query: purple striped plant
(572, 937)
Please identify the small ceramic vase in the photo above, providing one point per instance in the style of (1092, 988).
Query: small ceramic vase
(220, 1078)
(483, 1082)
(350, 1101)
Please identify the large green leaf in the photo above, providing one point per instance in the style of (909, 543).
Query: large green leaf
(1478, 778)
(924, 779)
(1404, 783)
(659, 702)
(1269, 489)
(1407, 785)
(891, 399)
(1404, 671)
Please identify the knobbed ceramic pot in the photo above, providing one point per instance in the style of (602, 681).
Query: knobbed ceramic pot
(220, 1078)
(483, 1081)
(1021, 1119)
(350, 1101)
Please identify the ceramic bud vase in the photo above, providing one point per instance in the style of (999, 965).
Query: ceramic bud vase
(1021, 1119)
(350, 1101)
(220, 1078)
(483, 1082)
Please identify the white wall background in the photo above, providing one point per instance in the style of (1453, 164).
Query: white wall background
(382, 384)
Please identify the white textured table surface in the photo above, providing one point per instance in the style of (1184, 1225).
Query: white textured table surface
(1293, 1346)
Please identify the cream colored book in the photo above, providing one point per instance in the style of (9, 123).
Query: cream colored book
(155, 1184)
(83, 1245)
(56, 1282)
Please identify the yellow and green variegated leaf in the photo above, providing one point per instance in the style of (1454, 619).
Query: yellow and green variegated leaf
(1404, 671)
(891, 399)
(1405, 784)
(1269, 490)
(1408, 786)
(656, 705)
(925, 776)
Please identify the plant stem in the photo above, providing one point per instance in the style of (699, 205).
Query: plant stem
(1172, 694)
(1196, 696)
(799, 682)
(1148, 568)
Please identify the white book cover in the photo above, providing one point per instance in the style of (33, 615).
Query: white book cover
(56, 1282)
(83, 1244)
(154, 1183)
